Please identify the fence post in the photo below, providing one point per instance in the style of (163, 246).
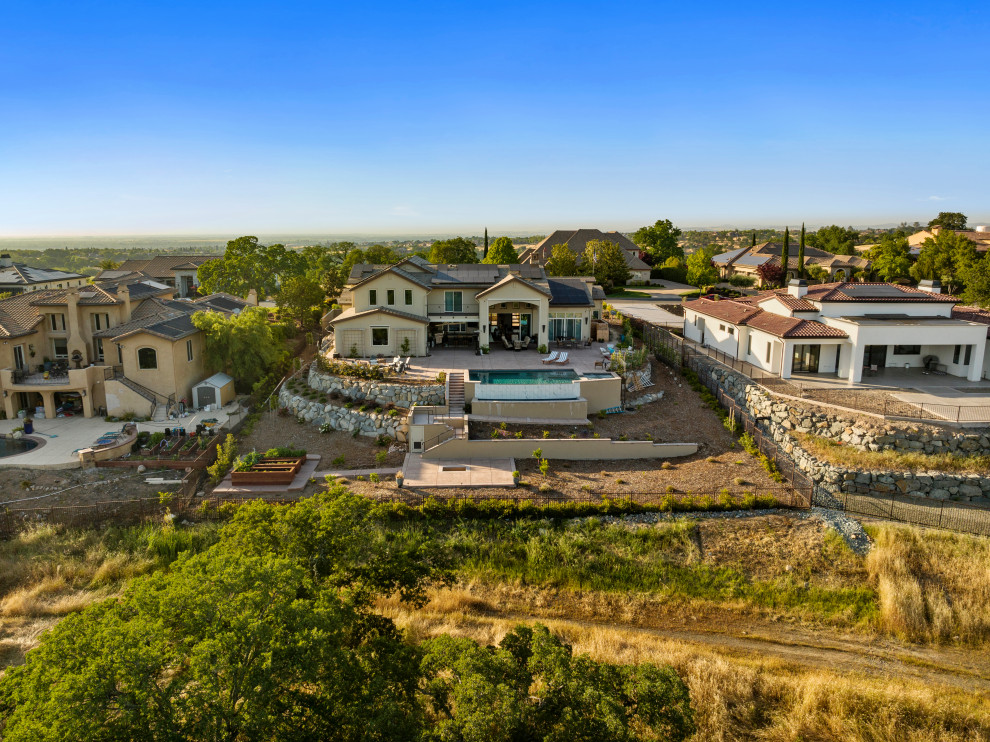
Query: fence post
(941, 511)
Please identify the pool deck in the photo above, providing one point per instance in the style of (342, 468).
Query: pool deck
(580, 360)
(64, 436)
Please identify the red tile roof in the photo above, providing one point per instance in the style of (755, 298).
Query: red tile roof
(725, 309)
(791, 327)
(739, 313)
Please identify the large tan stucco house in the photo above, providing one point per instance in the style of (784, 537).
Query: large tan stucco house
(176, 271)
(577, 240)
(409, 307)
(108, 348)
(746, 261)
(846, 330)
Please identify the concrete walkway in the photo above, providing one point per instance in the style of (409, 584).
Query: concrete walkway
(463, 473)
(653, 313)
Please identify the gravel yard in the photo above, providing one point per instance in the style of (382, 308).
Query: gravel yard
(280, 430)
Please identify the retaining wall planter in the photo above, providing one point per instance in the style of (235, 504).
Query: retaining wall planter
(367, 423)
(383, 392)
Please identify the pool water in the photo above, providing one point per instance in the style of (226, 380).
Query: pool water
(525, 376)
(14, 446)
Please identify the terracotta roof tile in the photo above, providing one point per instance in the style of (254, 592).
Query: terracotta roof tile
(738, 313)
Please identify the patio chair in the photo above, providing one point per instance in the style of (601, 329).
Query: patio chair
(526, 341)
(552, 358)
(506, 342)
(562, 359)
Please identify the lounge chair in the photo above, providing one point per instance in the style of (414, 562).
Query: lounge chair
(506, 342)
(552, 358)
(562, 359)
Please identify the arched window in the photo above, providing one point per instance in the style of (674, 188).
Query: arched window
(147, 358)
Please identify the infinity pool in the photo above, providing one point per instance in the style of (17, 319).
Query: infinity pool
(525, 376)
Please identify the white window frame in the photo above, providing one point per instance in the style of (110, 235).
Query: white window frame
(387, 337)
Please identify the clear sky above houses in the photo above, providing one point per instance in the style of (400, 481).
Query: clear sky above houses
(254, 117)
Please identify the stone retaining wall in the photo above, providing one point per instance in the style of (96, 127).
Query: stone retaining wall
(780, 417)
(864, 433)
(366, 423)
(383, 392)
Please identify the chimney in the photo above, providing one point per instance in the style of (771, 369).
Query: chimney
(5, 261)
(125, 293)
(798, 287)
(932, 286)
(252, 297)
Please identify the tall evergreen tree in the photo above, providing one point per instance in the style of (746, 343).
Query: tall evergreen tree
(784, 257)
(754, 238)
(485, 255)
(801, 254)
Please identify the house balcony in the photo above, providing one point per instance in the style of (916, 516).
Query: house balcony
(78, 380)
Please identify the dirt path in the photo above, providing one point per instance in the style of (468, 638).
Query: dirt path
(753, 638)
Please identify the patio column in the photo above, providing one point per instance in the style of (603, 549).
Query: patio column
(87, 402)
(49, 400)
(976, 367)
(856, 363)
(8, 404)
(786, 361)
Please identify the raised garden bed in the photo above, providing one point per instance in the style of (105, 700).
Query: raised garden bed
(269, 471)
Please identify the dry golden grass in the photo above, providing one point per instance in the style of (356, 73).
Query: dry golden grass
(841, 454)
(934, 586)
(50, 571)
(745, 699)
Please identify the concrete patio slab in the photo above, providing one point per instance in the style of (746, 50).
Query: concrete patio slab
(466, 473)
(298, 484)
(64, 436)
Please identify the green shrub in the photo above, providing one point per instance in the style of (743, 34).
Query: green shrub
(226, 452)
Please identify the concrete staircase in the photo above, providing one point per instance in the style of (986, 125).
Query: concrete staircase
(455, 394)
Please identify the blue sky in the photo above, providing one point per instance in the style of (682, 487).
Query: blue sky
(418, 118)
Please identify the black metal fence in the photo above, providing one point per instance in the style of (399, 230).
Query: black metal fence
(920, 511)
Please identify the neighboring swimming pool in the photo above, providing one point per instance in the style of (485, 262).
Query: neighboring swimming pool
(14, 446)
(525, 376)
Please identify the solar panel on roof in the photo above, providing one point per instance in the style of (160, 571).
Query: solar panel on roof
(566, 293)
(864, 291)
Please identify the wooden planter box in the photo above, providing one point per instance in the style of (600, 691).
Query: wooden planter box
(269, 471)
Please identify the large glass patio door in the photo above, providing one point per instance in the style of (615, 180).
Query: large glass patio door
(805, 358)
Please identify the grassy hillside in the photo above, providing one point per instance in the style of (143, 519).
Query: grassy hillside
(780, 631)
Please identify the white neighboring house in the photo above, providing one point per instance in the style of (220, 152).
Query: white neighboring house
(842, 329)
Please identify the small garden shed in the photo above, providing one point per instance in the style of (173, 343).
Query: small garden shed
(216, 391)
